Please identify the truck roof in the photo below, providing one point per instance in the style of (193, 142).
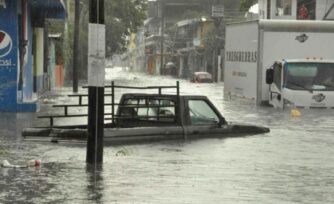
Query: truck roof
(312, 60)
(289, 25)
(138, 95)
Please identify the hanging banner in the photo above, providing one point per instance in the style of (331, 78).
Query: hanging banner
(96, 55)
(217, 11)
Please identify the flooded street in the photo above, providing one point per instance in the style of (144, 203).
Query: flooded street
(293, 163)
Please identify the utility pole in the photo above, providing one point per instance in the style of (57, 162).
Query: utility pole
(162, 17)
(96, 73)
(76, 46)
(217, 15)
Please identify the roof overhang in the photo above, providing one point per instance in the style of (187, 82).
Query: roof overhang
(53, 9)
(309, 60)
(193, 21)
(187, 22)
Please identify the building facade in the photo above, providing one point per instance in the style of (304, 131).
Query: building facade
(22, 51)
(193, 51)
(156, 45)
(296, 9)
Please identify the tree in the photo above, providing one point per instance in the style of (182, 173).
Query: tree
(123, 17)
(246, 4)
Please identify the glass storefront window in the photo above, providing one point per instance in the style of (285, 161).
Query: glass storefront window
(306, 9)
(283, 7)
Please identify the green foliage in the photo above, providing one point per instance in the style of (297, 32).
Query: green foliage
(123, 152)
(246, 4)
(122, 17)
(213, 41)
(3, 152)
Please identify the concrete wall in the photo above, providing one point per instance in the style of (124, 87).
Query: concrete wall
(38, 59)
(52, 63)
(28, 65)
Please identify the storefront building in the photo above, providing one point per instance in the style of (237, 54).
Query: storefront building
(296, 9)
(22, 56)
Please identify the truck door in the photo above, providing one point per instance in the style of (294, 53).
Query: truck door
(202, 118)
(275, 89)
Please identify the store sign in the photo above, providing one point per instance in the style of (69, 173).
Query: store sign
(8, 33)
(3, 4)
(8, 55)
(217, 11)
(241, 56)
(6, 45)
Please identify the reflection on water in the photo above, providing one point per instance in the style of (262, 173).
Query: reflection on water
(293, 163)
(95, 189)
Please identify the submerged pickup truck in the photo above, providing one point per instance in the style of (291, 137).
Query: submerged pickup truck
(156, 117)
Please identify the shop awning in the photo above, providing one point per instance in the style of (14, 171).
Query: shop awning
(53, 9)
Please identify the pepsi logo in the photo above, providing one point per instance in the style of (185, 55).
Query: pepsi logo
(6, 44)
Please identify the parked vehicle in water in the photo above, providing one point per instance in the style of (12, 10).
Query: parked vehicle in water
(201, 77)
(169, 69)
(154, 117)
(309, 81)
(297, 54)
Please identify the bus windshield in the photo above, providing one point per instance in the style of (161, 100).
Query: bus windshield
(309, 76)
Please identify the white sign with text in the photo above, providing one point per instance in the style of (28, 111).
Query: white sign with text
(96, 55)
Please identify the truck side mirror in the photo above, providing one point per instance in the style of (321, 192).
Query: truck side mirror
(222, 122)
(269, 76)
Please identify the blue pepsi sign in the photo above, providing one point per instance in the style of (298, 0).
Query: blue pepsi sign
(6, 46)
(8, 55)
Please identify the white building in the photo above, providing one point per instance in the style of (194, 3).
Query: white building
(291, 9)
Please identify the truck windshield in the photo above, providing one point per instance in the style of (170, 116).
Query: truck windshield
(201, 113)
(309, 76)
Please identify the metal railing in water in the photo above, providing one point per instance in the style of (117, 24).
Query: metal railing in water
(112, 104)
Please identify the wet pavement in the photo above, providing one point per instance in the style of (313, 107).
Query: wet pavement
(293, 163)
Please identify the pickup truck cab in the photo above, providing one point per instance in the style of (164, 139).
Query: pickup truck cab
(142, 117)
(142, 110)
(153, 117)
